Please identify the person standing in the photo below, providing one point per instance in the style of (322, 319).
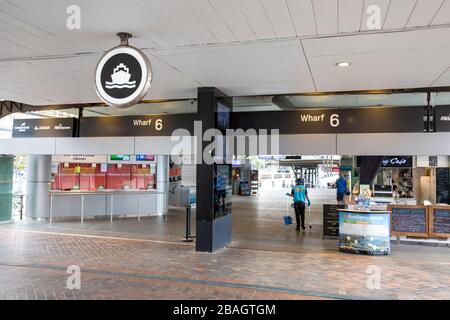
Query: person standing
(300, 195)
(341, 188)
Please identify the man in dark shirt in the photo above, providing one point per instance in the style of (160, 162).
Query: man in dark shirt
(341, 185)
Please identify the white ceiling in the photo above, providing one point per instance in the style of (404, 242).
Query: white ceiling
(243, 47)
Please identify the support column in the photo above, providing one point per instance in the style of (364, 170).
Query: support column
(162, 183)
(6, 187)
(38, 186)
(213, 209)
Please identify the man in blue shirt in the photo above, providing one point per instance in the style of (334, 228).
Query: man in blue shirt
(300, 194)
(341, 185)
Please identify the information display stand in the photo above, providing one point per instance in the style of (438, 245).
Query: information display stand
(364, 232)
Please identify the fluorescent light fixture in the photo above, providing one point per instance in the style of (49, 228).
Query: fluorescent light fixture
(343, 64)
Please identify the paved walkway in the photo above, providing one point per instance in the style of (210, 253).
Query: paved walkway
(267, 260)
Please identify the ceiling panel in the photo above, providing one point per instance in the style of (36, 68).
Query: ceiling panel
(394, 64)
(325, 13)
(443, 15)
(163, 18)
(398, 14)
(383, 6)
(349, 15)
(302, 16)
(236, 45)
(212, 20)
(256, 18)
(424, 12)
(189, 19)
(234, 19)
(443, 79)
(381, 42)
(279, 17)
(254, 65)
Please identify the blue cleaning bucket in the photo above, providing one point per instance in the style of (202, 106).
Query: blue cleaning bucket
(287, 220)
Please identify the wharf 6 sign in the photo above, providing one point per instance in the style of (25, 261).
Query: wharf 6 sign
(123, 76)
(350, 120)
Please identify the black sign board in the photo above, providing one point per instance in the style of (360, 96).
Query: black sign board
(392, 162)
(442, 185)
(331, 220)
(440, 224)
(356, 120)
(409, 220)
(442, 118)
(433, 161)
(40, 128)
(151, 125)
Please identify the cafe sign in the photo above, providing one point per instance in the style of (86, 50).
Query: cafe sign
(123, 76)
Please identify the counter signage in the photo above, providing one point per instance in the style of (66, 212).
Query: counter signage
(409, 220)
(392, 162)
(79, 158)
(120, 157)
(145, 157)
(40, 128)
(440, 221)
(354, 120)
(397, 162)
(123, 76)
(331, 220)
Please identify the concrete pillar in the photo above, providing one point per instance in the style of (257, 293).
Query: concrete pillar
(6, 187)
(162, 183)
(38, 185)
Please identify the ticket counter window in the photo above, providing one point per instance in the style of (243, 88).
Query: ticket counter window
(91, 177)
(83, 176)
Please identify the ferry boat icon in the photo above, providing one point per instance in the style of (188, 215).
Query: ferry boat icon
(120, 78)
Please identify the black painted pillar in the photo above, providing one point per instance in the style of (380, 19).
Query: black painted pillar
(213, 208)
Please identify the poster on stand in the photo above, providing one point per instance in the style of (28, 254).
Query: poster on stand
(364, 233)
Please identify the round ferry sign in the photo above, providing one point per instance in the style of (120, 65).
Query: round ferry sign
(123, 76)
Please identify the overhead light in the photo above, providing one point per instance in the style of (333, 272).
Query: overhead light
(343, 64)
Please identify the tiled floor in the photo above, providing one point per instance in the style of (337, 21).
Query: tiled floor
(267, 260)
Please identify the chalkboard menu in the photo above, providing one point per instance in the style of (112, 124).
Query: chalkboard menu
(442, 185)
(331, 220)
(409, 220)
(440, 221)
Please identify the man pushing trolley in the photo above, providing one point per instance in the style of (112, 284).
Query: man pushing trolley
(300, 195)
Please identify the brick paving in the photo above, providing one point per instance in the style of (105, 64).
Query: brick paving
(266, 260)
(33, 266)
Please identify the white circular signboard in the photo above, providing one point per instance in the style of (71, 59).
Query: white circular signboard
(123, 76)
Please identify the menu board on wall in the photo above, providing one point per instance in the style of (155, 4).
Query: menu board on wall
(409, 220)
(331, 220)
(442, 185)
(440, 221)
